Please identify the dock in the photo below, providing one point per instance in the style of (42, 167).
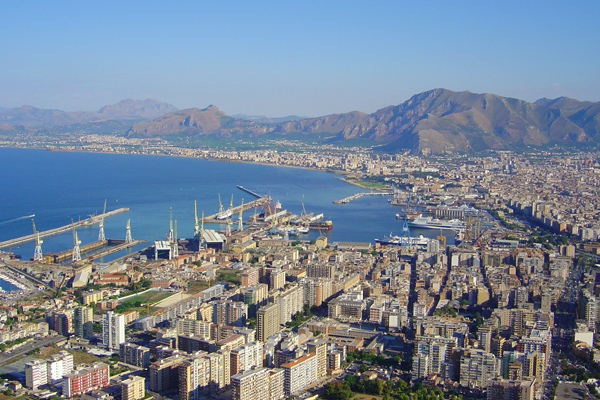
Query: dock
(86, 248)
(55, 231)
(358, 195)
(249, 191)
(261, 201)
(113, 249)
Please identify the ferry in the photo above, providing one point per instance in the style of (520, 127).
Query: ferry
(434, 223)
(404, 240)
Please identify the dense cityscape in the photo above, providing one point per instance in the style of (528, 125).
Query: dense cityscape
(508, 311)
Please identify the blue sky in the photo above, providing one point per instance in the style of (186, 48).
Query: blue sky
(307, 58)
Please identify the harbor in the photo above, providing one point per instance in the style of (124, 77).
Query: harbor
(62, 229)
(348, 199)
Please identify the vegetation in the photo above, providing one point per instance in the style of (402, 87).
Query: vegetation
(400, 390)
(370, 357)
(8, 345)
(229, 275)
(196, 286)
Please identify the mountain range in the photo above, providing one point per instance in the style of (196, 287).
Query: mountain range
(437, 121)
(128, 109)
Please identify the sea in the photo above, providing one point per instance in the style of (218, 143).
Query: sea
(54, 187)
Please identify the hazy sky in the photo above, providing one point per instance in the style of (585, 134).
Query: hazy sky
(307, 58)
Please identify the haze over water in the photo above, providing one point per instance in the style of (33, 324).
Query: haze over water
(60, 186)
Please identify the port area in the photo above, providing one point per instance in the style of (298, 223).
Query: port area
(110, 246)
(260, 202)
(65, 228)
(359, 195)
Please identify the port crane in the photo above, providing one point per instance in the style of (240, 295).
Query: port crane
(170, 234)
(76, 242)
(128, 238)
(196, 227)
(37, 253)
(175, 252)
(101, 236)
(240, 221)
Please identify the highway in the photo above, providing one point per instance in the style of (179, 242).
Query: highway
(55, 231)
(5, 358)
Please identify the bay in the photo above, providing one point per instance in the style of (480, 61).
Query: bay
(60, 186)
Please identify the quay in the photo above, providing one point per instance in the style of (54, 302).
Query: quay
(86, 248)
(249, 191)
(113, 249)
(261, 201)
(55, 231)
(358, 195)
(113, 245)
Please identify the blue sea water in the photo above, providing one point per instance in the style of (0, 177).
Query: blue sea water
(7, 286)
(60, 186)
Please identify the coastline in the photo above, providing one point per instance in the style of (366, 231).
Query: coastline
(332, 171)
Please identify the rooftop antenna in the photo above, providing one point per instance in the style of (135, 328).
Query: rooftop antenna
(37, 253)
(128, 238)
(101, 236)
(196, 228)
(175, 243)
(76, 242)
(240, 222)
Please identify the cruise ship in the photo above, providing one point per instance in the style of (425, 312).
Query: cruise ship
(434, 223)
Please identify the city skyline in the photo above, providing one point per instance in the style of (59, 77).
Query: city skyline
(275, 59)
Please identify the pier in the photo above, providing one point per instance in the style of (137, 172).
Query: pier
(261, 201)
(113, 249)
(249, 191)
(358, 195)
(55, 231)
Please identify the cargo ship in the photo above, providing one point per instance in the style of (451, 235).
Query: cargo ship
(327, 224)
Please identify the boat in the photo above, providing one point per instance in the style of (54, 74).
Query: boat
(224, 215)
(404, 240)
(434, 223)
(327, 224)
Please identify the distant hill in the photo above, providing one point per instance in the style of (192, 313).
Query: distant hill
(437, 121)
(266, 120)
(133, 110)
(195, 121)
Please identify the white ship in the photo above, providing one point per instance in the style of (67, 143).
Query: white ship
(434, 223)
(404, 240)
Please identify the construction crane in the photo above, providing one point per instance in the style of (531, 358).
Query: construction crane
(128, 238)
(101, 236)
(37, 253)
(76, 242)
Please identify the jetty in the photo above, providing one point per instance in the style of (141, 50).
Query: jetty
(359, 195)
(55, 231)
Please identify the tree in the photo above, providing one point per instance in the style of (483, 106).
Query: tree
(337, 391)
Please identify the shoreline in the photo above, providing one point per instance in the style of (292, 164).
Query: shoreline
(332, 171)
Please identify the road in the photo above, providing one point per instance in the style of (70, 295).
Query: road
(5, 358)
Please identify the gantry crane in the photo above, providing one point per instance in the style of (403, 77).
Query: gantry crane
(37, 253)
